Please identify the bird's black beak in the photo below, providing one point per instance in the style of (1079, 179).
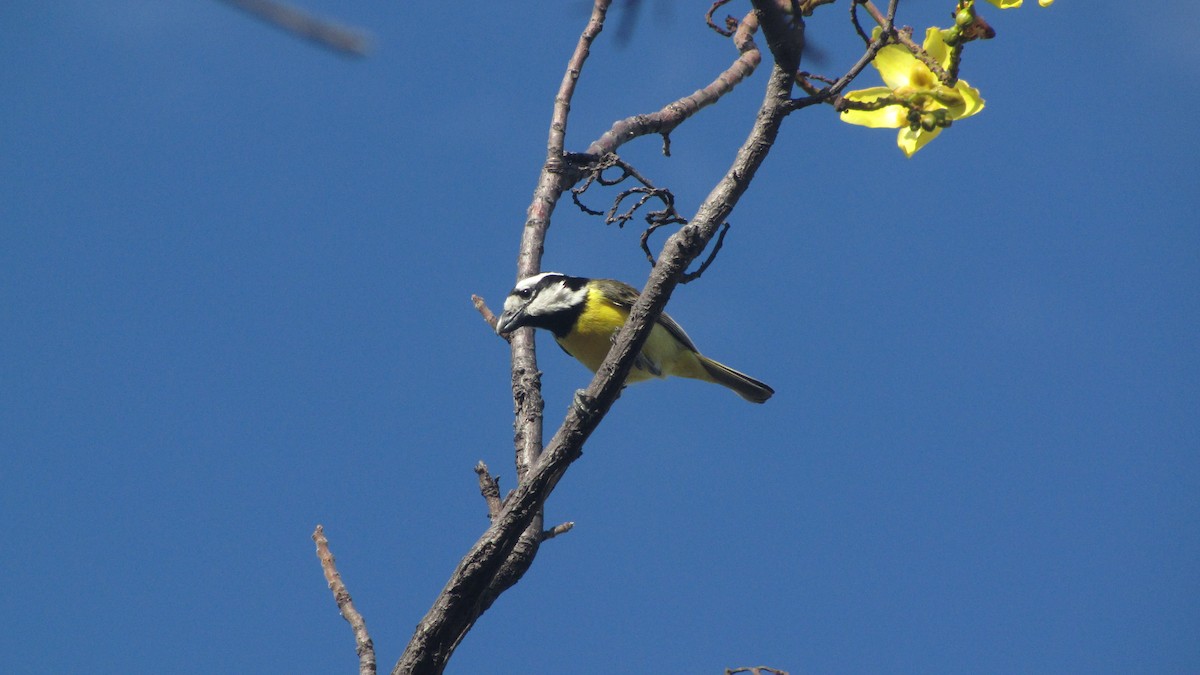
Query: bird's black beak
(509, 321)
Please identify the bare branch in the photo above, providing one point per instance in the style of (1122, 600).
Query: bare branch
(362, 639)
(554, 179)
(857, 24)
(488, 317)
(347, 41)
(506, 550)
(667, 215)
(561, 528)
(755, 670)
(832, 93)
(489, 487)
(673, 114)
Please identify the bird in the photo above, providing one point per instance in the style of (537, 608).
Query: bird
(585, 314)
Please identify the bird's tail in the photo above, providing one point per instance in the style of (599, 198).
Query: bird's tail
(743, 385)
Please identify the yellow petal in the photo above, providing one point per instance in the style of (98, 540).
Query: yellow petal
(1045, 3)
(935, 46)
(972, 101)
(887, 117)
(1006, 4)
(895, 65)
(911, 141)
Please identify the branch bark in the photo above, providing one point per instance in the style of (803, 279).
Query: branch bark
(362, 639)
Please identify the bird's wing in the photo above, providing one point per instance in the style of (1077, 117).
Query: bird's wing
(624, 295)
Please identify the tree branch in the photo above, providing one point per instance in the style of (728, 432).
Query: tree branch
(362, 639)
(833, 92)
(555, 178)
(347, 41)
(673, 114)
(506, 550)
(486, 312)
(561, 528)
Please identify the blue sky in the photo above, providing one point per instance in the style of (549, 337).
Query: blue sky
(235, 274)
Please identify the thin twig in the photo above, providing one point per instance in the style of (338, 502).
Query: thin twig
(673, 114)
(668, 215)
(858, 25)
(730, 22)
(486, 313)
(832, 93)
(348, 41)
(755, 670)
(689, 277)
(566, 89)
(904, 37)
(362, 639)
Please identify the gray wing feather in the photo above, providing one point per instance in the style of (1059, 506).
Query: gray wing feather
(624, 295)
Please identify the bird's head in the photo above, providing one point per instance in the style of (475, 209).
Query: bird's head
(542, 301)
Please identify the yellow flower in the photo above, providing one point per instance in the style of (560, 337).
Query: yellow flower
(928, 106)
(1008, 4)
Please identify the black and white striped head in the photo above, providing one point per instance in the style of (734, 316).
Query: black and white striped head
(548, 300)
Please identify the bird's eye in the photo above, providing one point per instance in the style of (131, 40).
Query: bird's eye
(525, 292)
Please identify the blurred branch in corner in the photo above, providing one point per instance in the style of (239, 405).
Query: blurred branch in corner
(342, 39)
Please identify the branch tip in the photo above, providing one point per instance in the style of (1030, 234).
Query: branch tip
(561, 528)
(362, 639)
(488, 317)
(731, 23)
(489, 487)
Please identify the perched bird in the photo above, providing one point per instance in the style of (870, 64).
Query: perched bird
(585, 314)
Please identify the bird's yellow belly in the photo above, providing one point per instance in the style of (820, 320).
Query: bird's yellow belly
(592, 337)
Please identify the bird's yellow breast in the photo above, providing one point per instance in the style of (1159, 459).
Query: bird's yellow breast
(591, 338)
